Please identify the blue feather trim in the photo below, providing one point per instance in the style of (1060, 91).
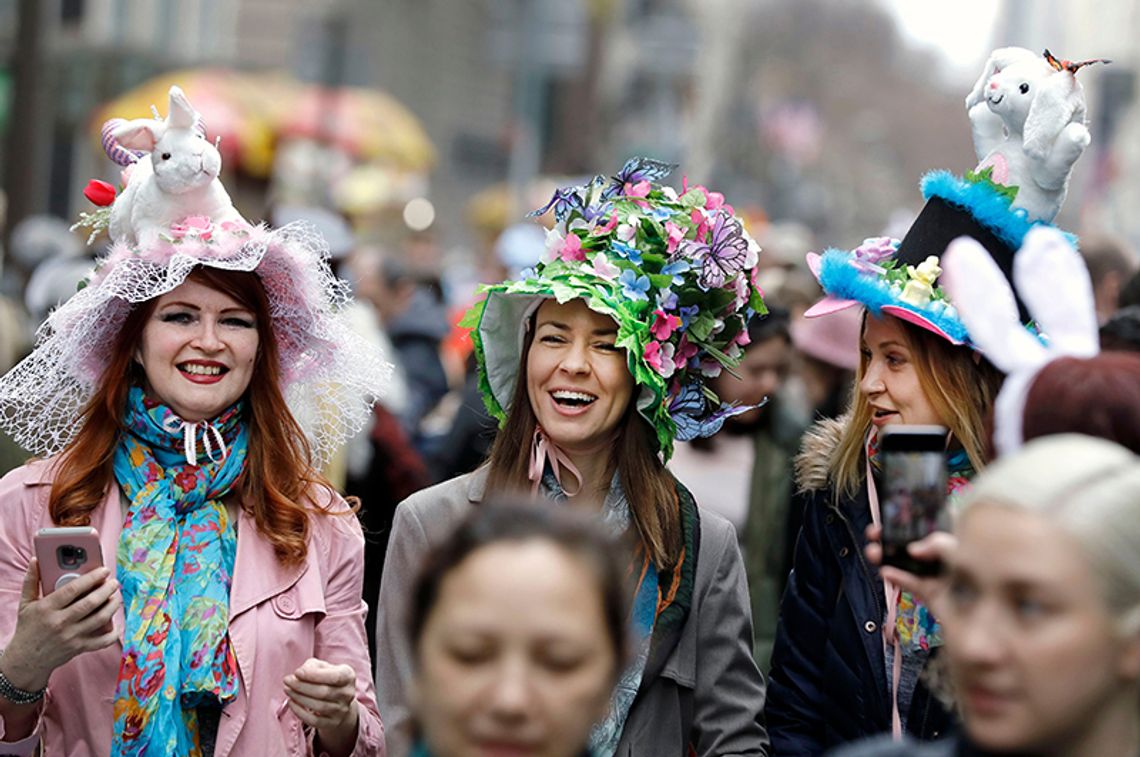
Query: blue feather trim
(989, 208)
(839, 278)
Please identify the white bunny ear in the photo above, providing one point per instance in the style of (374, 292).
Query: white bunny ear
(182, 114)
(139, 133)
(985, 302)
(1054, 284)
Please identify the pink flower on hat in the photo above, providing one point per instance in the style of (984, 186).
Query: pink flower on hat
(754, 278)
(604, 268)
(605, 228)
(873, 251)
(571, 250)
(674, 235)
(640, 189)
(698, 218)
(685, 351)
(659, 356)
(193, 226)
(664, 325)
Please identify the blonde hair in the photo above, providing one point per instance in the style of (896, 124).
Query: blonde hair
(1090, 488)
(960, 385)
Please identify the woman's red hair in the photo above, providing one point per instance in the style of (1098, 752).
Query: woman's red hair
(278, 471)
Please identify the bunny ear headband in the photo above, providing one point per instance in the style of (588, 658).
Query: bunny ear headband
(1054, 283)
(330, 374)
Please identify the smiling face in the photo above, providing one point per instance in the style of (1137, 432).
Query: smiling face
(890, 382)
(514, 658)
(198, 351)
(578, 382)
(1032, 646)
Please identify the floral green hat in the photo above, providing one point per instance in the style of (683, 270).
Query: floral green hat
(675, 270)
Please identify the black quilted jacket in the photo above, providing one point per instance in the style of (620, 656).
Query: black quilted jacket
(828, 683)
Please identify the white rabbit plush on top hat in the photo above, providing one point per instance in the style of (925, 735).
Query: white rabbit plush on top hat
(179, 179)
(1027, 112)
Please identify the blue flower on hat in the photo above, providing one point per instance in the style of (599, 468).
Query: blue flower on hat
(627, 251)
(675, 269)
(667, 299)
(634, 287)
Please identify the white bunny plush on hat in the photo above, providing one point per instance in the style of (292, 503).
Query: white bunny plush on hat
(179, 180)
(1054, 284)
(1027, 112)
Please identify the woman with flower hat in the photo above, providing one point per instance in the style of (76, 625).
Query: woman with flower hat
(595, 363)
(182, 404)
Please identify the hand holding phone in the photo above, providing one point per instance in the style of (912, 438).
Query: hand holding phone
(912, 500)
(65, 554)
(67, 604)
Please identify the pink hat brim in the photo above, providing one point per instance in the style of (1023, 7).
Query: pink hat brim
(829, 305)
(918, 320)
(814, 263)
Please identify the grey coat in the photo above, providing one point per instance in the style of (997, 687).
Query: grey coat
(710, 692)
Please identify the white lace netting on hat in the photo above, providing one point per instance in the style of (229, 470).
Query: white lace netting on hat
(331, 375)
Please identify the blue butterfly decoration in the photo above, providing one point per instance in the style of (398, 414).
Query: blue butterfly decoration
(688, 406)
(564, 200)
(635, 170)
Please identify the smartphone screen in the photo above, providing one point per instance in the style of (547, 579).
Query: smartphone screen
(913, 497)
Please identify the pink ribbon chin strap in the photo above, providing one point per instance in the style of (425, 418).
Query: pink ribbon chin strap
(541, 450)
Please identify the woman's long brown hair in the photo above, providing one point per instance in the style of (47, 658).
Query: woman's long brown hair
(960, 384)
(278, 471)
(648, 486)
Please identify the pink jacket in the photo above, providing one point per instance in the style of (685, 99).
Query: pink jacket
(279, 617)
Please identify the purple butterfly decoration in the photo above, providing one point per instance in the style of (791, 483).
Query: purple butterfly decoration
(723, 256)
(688, 406)
(638, 169)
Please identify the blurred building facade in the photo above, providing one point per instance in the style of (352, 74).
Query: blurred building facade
(815, 111)
(1105, 189)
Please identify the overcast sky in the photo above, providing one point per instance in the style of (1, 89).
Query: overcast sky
(962, 31)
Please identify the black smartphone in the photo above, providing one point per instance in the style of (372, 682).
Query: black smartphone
(913, 499)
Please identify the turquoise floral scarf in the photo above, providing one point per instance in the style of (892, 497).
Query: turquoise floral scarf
(175, 564)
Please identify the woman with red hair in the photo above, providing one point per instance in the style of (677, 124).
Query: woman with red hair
(228, 617)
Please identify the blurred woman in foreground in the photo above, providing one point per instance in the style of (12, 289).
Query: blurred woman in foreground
(518, 634)
(1040, 605)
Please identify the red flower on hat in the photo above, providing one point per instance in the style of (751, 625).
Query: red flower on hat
(99, 192)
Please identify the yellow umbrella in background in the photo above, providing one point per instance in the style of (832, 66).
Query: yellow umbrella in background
(369, 124)
(236, 106)
(250, 111)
